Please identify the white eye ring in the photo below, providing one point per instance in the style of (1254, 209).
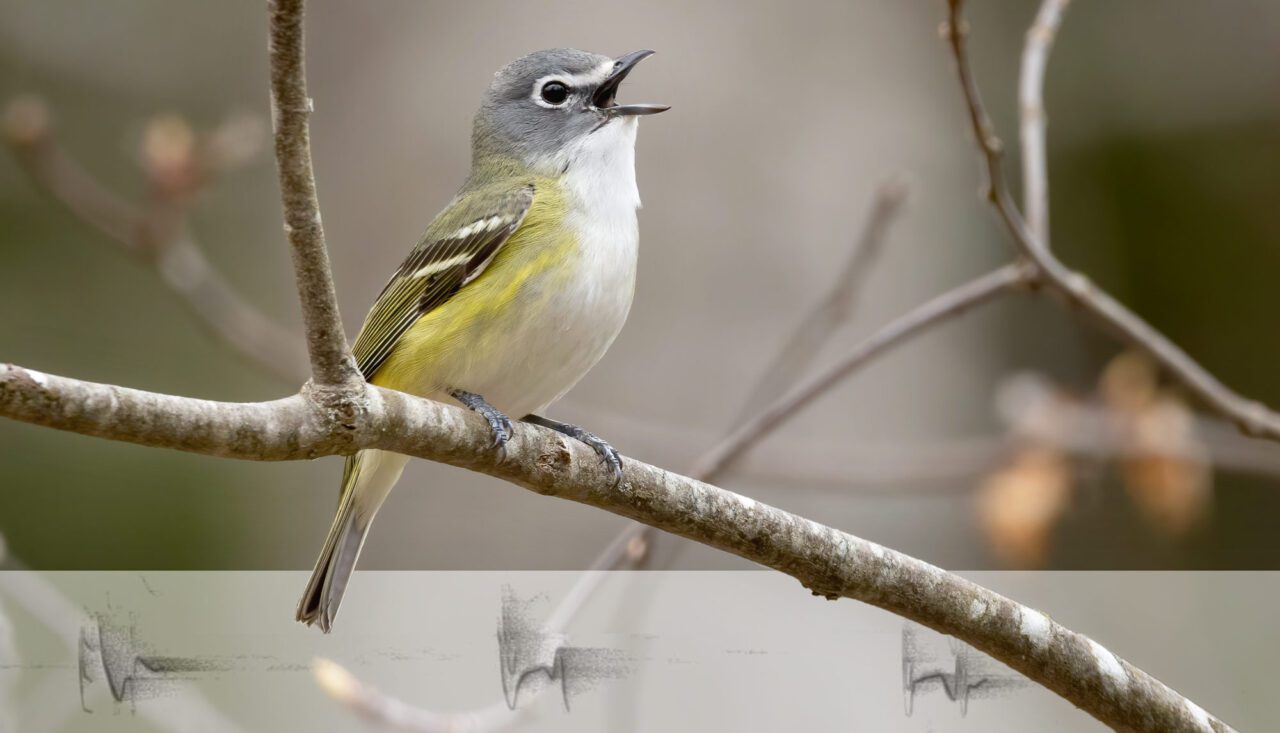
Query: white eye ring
(540, 92)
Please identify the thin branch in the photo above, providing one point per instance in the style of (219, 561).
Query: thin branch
(370, 702)
(1252, 417)
(945, 465)
(829, 562)
(948, 305)
(331, 360)
(1035, 58)
(816, 327)
(28, 132)
(152, 236)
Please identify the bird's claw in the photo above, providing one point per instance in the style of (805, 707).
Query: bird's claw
(500, 426)
(499, 423)
(608, 454)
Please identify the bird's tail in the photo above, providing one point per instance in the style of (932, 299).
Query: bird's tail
(366, 481)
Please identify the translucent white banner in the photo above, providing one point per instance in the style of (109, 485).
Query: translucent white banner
(688, 651)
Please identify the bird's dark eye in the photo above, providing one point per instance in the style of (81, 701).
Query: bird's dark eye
(554, 92)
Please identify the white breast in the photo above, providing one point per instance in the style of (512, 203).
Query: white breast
(555, 349)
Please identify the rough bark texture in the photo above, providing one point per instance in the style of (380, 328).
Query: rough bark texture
(830, 563)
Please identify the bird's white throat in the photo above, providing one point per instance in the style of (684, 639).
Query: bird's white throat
(600, 183)
(600, 168)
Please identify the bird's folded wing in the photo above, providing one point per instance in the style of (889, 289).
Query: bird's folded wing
(456, 248)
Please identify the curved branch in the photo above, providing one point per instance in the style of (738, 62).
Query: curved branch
(830, 563)
(1251, 416)
(1035, 58)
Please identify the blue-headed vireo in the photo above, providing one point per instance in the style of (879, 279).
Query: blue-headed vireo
(517, 288)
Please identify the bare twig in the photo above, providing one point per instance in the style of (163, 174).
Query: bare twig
(817, 326)
(1252, 417)
(945, 465)
(331, 360)
(1035, 58)
(370, 702)
(156, 236)
(948, 305)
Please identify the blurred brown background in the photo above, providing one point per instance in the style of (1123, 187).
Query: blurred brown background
(1164, 152)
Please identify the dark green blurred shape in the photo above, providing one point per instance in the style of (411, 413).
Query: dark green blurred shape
(1185, 229)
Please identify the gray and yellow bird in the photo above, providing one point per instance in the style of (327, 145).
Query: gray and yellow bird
(516, 289)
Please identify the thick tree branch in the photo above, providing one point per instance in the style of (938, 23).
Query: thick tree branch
(289, 429)
(829, 562)
(1252, 417)
(331, 360)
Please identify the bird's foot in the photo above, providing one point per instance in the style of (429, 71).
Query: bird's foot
(607, 453)
(499, 424)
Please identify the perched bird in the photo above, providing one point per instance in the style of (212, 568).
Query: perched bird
(516, 289)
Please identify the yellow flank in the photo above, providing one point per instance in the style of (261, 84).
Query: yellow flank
(526, 271)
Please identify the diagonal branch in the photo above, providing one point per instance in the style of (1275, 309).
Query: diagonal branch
(331, 360)
(817, 326)
(947, 305)
(830, 563)
(1251, 416)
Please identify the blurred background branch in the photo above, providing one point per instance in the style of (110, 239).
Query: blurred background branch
(1252, 417)
(1034, 119)
(179, 164)
(816, 328)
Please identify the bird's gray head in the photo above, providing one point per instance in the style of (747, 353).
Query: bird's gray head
(541, 106)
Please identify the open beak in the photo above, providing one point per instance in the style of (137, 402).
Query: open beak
(604, 96)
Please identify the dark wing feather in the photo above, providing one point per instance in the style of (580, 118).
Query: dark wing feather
(458, 245)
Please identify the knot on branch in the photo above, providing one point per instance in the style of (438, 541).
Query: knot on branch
(343, 410)
(1030, 274)
(555, 457)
